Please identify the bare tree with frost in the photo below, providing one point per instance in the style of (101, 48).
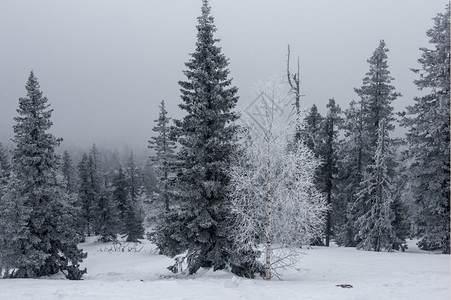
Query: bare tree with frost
(275, 202)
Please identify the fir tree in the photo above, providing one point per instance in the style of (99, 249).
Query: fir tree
(312, 131)
(69, 173)
(376, 95)
(361, 141)
(429, 139)
(133, 179)
(107, 216)
(376, 231)
(350, 165)
(164, 154)
(4, 170)
(206, 138)
(4, 178)
(39, 236)
(329, 155)
(94, 188)
(84, 194)
(120, 196)
(133, 221)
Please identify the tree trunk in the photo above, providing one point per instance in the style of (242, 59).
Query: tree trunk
(268, 207)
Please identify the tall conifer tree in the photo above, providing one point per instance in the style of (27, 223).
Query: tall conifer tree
(349, 164)
(329, 155)
(38, 224)
(69, 173)
(361, 143)
(374, 194)
(428, 138)
(206, 138)
(164, 154)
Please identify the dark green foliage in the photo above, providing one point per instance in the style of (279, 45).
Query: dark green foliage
(107, 216)
(206, 137)
(312, 133)
(69, 173)
(133, 218)
(360, 178)
(429, 140)
(38, 235)
(90, 190)
(133, 223)
(164, 156)
(349, 164)
(84, 194)
(329, 170)
(376, 197)
(120, 195)
(128, 215)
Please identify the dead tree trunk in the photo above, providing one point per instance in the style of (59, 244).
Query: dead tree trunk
(293, 81)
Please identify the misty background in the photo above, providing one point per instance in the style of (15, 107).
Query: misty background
(105, 65)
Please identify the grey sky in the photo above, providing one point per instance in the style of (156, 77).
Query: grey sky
(105, 65)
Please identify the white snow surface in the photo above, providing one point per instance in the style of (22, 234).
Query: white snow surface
(413, 274)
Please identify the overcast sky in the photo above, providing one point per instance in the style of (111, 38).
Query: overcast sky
(105, 65)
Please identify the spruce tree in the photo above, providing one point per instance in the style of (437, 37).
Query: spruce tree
(206, 138)
(120, 196)
(4, 170)
(107, 216)
(349, 164)
(84, 194)
(4, 178)
(164, 155)
(38, 228)
(133, 179)
(329, 155)
(376, 96)
(90, 189)
(312, 132)
(376, 196)
(428, 138)
(133, 221)
(69, 173)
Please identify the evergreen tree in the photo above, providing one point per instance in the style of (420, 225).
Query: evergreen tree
(94, 188)
(84, 194)
(376, 95)
(429, 139)
(4, 170)
(206, 138)
(104, 214)
(132, 175)
(133, 221)
(361, 143)
(91, 187)
(376, 230)
(312, 132)
(329, 156)
(69, 173)
(349, 164)
(107, 216)
(37, 223)
(134, 229)
(164, 154)
(4, 178)
(120, 196)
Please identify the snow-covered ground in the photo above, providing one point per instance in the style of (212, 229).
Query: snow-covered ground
(143, 275)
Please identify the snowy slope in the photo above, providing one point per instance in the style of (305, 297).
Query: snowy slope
(143, 275)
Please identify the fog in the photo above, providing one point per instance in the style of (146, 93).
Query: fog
(105, 65)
